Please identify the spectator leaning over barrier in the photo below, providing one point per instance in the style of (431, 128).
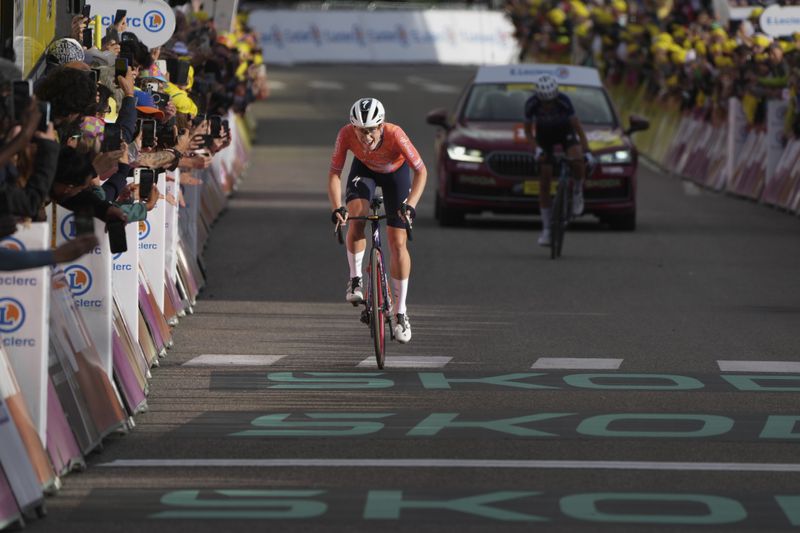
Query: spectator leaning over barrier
(25, 259)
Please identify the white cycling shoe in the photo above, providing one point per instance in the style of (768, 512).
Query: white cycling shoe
(401, 328)
(577, 200)
(355, 291)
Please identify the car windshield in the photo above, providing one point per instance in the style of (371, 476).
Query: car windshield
(505, 102)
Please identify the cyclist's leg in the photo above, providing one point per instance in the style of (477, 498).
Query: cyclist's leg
(578, 172)
(359, 192)
(545, 178)
(396, 187)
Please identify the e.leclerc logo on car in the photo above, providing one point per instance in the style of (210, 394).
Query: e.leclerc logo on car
(79, 279)
(12, 315)
(154, 21)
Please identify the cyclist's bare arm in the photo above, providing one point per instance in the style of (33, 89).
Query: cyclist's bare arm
(335, 193)
(417, 185)
(530, 136)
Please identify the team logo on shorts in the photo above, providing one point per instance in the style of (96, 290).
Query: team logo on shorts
(79, 279)
(12, 315)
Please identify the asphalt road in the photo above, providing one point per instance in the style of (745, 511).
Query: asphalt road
(471, 430)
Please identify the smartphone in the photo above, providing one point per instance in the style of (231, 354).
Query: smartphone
(44, 122)
(147, 178)
(160, 99)
(120, 67)
(76, 6)
(162, 65)
(96, 75)
(22, 91)
(178, 71)
(129, 36)
(208, 141)
(148, 129)
(88, 38)
(87, 11)
(199, 119)
(116, 236)
(84, 224)
(119, 15)
(215, 122)
(226, 126)
(151, 86)
(112, 138)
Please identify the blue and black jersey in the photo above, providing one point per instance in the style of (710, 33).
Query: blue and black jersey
(552, 121)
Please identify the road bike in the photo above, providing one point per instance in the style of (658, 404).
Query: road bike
(378, 298)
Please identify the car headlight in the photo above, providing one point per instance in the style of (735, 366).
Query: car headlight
(620, 156)
(462, 153)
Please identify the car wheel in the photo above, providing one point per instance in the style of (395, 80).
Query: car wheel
(623, 222)
(447, 216)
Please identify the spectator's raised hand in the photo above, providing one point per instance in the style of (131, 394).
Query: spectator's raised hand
(79, 23)
(71, 250)
(30, 119)
(106, 163)
(114, 213)
(155, 195)
(128, 82)
(49, 135)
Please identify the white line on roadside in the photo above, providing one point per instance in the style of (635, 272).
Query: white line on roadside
(455, 463)
(760, 366)
(326, 85)
(275, 85)
(407, 361)
(211, 359)
(577, 363)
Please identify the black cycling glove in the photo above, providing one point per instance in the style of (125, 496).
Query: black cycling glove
(406, 208)
(341, 211)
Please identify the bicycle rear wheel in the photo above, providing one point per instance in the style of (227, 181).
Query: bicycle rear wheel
(377, 315)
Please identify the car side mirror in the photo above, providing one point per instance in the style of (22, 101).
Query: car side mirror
(438, 117)
(637, 123)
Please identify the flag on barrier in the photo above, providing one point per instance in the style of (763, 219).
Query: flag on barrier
(9, 512)
(34, 445)
(65, 455)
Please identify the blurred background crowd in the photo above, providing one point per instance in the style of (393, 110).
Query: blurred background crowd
(678, 49)
(107, 116)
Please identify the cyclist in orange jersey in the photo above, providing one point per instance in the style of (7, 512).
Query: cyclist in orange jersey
(383, 156)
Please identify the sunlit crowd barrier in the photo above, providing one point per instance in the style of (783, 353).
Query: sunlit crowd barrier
(79, 340)
(753, 163)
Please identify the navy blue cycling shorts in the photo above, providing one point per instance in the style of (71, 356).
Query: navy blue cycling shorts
(396, 186)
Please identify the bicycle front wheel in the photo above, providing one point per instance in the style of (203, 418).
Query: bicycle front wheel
(377, 315)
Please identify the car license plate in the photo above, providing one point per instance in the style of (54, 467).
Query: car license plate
(531, 187)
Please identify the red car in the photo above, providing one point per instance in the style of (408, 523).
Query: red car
(485, 163)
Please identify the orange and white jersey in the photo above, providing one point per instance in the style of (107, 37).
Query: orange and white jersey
(394, 150)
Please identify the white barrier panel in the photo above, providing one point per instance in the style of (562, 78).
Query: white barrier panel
(173, 186)
(89, 279)
(737, 134)
(776, 113)
(15, 463)
(426, 36)
(151, 248)
(24, 301)
(126, 279)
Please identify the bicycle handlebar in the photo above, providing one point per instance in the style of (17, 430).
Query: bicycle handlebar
(338, 229)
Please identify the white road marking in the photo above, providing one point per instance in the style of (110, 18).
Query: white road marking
(577, 363)
(384, 86)
(432, 86)
(275, 85)
(407, 361)
(456, 463)
(212, 359)
(326, 85)
(691, 189)
(788, 367)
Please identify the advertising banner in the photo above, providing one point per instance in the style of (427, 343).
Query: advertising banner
(780, 21)
(126, 278)
(224, 14)
(151, 238)
(89, 280)
(9, 513)
(153, 21)
(34, 28)
(425, 36)
(24, 301)
(737, 134)
(172, 192)
(65, 454)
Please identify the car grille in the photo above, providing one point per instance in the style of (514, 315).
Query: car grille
(512, 164)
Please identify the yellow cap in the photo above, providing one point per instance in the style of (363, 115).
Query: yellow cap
(719, 32)
(556, 16)
(579, 9)
(756, 12)
(761, 40)
(619, 5)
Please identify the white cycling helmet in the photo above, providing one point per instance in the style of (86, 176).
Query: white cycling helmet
(546, 87)
(367, 113)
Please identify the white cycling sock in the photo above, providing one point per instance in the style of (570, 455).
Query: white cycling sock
(399, 291)
(355, 260)
(545, 218)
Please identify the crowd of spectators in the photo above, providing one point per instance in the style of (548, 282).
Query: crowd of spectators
(100, 120)
(677, 49)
